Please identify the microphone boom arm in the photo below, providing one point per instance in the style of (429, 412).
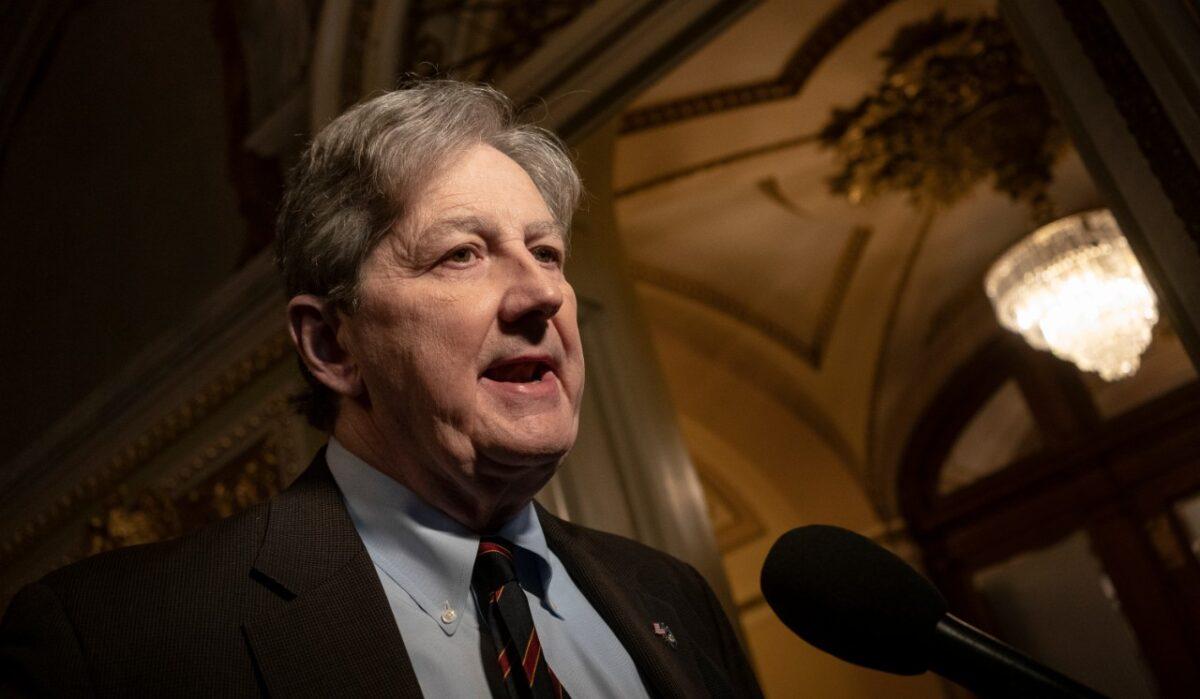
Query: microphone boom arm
(967, 656)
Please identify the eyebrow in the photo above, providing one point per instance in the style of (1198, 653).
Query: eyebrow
(471, 223)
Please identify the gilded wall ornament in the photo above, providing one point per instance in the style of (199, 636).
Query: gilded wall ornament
(955, 106)
(156, 514)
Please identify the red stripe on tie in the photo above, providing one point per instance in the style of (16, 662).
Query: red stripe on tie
(496, 595)
(489, 547)
(533, 653)
(505, 667)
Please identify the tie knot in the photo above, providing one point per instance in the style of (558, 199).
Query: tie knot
(494, 564)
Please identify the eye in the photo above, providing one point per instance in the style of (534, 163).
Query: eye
(464, 255)
(548, 255)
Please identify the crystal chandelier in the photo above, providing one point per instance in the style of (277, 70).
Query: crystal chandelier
(1074, 287)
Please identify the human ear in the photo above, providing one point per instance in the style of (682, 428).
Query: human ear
(313, 323)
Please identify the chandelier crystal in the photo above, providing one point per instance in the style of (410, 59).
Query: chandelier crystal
(1073, 287)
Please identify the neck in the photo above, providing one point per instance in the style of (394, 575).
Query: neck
(460, 490)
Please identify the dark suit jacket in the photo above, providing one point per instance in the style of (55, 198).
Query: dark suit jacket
(283, 600)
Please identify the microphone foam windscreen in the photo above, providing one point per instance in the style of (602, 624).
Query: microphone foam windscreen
(852, 598)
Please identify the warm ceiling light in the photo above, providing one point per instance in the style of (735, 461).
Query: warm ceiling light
(1074, 287)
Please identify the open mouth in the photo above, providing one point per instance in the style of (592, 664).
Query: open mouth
(519, 371)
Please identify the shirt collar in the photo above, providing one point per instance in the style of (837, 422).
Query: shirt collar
(535, 565)
(423, 550)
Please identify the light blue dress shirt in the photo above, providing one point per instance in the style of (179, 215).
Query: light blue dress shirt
(424, 561)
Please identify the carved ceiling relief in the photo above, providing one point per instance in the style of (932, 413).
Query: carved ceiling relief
(955, 106)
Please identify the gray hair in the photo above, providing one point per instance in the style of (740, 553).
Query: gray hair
(360, 174)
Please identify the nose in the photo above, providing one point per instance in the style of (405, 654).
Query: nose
(533, 291)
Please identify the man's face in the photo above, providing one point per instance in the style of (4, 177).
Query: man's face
(466, 335)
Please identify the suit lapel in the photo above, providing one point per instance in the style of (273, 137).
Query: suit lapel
(334, 633)
(629, 614)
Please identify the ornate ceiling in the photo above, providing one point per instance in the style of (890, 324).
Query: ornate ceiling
(845, 316)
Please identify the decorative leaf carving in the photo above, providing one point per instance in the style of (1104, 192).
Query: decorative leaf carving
(956, 105)
(155, 514)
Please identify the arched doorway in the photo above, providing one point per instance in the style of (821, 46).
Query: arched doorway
(1041, 505)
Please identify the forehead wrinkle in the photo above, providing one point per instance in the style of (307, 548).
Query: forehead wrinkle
(454, 224)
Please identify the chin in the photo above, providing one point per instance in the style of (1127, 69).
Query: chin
(526, 456)
(529, 443)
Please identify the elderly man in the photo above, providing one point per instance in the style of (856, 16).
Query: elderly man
(422, 241)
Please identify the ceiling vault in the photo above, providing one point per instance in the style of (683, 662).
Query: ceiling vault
(778, 384)
(811, 351)
(879, 486)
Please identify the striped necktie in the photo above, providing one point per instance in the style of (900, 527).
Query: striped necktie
(506, 611)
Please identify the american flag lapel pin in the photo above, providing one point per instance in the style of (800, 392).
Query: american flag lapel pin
(664, 632)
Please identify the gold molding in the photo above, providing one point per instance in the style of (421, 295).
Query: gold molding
(833, 28)
(138, 451)
(713, 164)
(196, 494)
(155, 513)
(216, 450)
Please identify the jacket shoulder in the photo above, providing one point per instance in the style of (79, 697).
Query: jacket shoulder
(698, 615)
(611, 545)
(623, 555)
(160, 618)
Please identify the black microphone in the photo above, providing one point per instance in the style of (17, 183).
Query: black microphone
(854, 599)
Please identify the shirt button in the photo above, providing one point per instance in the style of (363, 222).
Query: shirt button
(448, 616)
